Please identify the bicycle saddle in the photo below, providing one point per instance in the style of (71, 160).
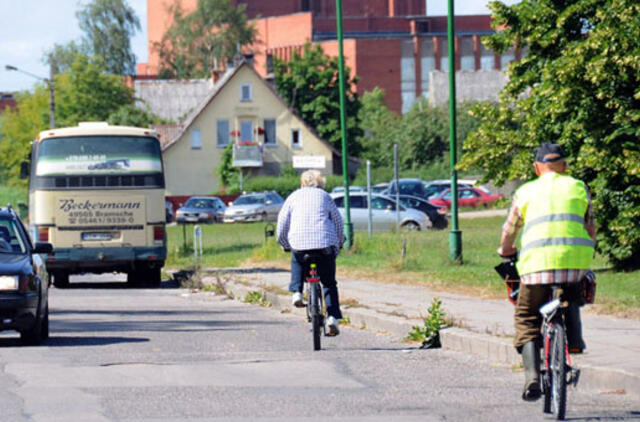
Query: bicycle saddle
(316, 254)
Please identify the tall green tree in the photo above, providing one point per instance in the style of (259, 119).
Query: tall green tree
(86, 92)
(108, 27)
(19, 126)
(203, 40)
(578, 85)
(63, 55)
(309, 84)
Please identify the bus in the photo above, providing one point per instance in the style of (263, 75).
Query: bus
(97, 194)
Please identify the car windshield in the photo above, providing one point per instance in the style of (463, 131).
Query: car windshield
(10, 239)
(199, 203)
(249, 200)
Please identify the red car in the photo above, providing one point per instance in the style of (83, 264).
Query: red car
(467, 197)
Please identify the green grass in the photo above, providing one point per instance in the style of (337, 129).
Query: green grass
(426, 260)
(224, 245)
(12, 195)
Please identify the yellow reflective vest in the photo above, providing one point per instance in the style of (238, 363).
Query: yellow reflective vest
(554, 236)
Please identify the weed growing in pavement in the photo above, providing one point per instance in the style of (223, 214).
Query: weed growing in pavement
(429, 334)
(351, 303)
(344, 321)
(257, 298)
(219, 287)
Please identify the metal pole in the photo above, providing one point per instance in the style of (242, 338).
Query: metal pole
(455, 235)
(52, 102)
(343, 129)
(370, 216)
(396, 177)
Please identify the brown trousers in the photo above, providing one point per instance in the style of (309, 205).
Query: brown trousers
(528, 320)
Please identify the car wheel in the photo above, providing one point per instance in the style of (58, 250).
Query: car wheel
(410, 226)
(153, 277)
(45, 324)
(34, 335)
(61, 279)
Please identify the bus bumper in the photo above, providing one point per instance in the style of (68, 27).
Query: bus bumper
(99, 260)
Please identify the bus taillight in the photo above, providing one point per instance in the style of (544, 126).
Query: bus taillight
(43, 234)
(158, 233)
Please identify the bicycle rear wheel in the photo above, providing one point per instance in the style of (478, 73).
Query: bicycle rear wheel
(558, 372)
(546, 374)
(316, 317)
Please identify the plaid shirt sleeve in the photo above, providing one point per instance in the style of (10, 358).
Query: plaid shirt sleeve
(514, 220)
(335, 216)
(284, 221)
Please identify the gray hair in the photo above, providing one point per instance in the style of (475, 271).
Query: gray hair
(312, 178)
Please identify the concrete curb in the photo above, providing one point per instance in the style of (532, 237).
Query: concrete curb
(490, 347)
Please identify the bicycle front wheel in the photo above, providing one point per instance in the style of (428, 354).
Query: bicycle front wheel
(316, 317)
(558, 372)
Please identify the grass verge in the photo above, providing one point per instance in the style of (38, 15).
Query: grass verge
(425, 262)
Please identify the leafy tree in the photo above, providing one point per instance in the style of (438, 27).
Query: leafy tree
(579, 85)
(62, 55)
(108, 26)
(196, 43)
(86, 92)
(131, 115)
(19, 126)
(309, 84)
(380, 128)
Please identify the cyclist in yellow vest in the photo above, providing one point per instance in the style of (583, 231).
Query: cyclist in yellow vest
(557, 247)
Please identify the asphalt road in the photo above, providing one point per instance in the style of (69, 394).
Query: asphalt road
(166, 354)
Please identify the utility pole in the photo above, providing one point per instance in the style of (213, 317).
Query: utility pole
(455, 235)
(343, 130)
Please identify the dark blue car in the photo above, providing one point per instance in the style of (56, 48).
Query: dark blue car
(24, 282)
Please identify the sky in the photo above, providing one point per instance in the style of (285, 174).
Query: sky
(30, 27)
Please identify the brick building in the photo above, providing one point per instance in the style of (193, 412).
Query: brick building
(387, 43)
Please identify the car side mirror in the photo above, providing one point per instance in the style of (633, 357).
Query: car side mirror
(389, 207)
(268, 202)
(230, 203)
(43, 248)
(24, 170)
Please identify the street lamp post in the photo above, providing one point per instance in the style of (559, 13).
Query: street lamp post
(49, 82)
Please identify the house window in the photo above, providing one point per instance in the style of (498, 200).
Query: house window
(296, 140)
(269, 63)
(270, 132)
(223, 133)
(196, 140)
(246, 130)
(245, 92)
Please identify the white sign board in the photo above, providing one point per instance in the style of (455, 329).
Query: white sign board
(309, 161)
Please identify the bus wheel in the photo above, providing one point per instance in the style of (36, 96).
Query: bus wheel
(61, 279)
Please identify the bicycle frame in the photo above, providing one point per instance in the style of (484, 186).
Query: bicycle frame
(557, 372)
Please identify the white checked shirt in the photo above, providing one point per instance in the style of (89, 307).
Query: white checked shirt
(308, 220)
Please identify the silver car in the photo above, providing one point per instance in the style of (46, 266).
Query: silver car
(201, 209)
(263, 206)
(383, 211)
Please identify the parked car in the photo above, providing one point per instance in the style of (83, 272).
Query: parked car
(437, 215)
(413, 187)
(434, 188)
(340, 189)
(467, 197)
(263, 206)
(383, 210)
(168, 211)
(24, 282)
(201, 209)
(380, 188)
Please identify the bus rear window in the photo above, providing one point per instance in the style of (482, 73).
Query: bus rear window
(95, 155)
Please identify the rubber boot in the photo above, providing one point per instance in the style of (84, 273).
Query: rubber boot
(574, 328)
(531, 361)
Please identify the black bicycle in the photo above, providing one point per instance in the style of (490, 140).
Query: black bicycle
(557, 372)
(315, 303)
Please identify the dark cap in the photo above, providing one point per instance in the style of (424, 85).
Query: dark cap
(549, 148)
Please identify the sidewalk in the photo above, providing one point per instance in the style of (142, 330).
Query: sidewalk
(484, 327)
